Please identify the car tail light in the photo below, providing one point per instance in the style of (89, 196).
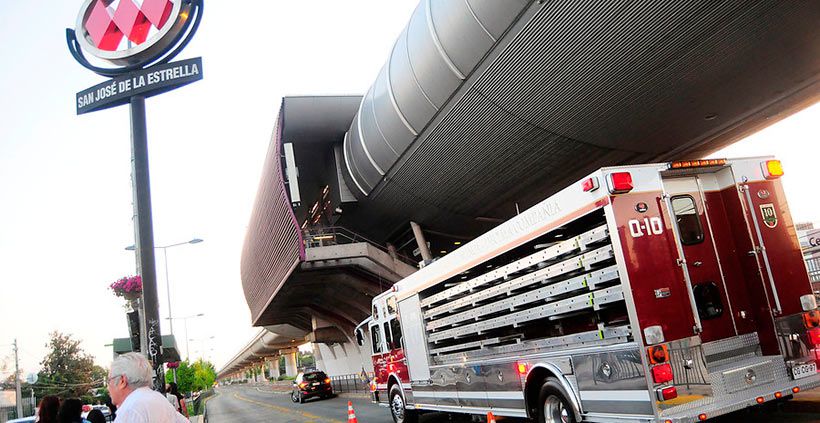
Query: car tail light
(814, 336)
(327, 381)
(590, 184)
(658, 354)
(620, 182)
(772, 169)
(811, 319)
(668, 393)
(662, 373)
(303, 385)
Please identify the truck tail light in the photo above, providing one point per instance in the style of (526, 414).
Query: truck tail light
(772, 169)
(808, 302)
(814, 336)
(653, 334)
(590, 184)
(620, 182)
(658, 354)
(662, 373)
(668, 393)
(811, 319)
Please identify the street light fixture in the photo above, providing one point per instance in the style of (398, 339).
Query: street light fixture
(185, 322)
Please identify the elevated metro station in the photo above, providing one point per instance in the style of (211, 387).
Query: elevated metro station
(482, 109)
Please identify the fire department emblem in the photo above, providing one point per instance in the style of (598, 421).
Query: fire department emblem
(769, 215)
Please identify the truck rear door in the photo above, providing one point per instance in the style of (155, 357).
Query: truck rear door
(717, 282)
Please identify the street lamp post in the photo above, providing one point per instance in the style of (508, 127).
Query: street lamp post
(185, 323)
(167, 280)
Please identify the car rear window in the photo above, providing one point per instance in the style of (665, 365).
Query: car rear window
(313, 377)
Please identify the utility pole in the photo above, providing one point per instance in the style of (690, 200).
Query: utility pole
(19, 395)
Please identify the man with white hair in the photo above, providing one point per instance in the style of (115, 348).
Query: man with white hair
(129, 385)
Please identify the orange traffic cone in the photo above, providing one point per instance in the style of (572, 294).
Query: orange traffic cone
(490, 417)
(351, 415)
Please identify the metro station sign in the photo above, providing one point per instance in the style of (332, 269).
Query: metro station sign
(130, 32)
(138, 38)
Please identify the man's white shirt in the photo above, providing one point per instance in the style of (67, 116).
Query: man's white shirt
(144, 405)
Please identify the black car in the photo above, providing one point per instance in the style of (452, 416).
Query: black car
(311, 384)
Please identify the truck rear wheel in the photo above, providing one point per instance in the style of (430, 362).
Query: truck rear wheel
(553, 404)
(398, 409)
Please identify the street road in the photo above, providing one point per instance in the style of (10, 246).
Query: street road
(243, 403)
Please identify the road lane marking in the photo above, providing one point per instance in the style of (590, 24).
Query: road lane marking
(311, 418)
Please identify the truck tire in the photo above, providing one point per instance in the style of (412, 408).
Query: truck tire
(553, 405)
(398, 408)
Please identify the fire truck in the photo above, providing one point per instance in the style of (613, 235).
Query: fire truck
(670, 292)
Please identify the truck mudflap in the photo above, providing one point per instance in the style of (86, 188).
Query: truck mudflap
(718, 405)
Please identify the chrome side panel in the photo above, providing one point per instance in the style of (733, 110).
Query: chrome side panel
(689, 367)
(613, 382)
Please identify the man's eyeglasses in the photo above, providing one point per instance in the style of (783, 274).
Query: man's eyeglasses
(112, 378)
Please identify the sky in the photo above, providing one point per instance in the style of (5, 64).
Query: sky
(65, 185)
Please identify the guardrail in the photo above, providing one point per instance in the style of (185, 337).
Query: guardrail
(349, 383)
(335, 235)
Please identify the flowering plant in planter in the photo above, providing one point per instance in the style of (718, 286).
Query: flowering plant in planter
(129, 287)
(172, 364)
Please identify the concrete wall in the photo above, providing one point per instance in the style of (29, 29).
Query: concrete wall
(341, 359)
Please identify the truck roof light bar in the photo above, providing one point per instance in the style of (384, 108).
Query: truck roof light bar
(685, 164)
(590, 184)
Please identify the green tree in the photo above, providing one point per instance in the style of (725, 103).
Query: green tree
(67, 371)
(197, 376)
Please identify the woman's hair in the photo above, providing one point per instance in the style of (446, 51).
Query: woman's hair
(71, 410)
(95, 416)
(48, 408)
(135, 367)
(174, 390)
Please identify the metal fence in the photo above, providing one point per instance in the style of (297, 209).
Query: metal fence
(813, 266)
(10, 413)
(349, 383)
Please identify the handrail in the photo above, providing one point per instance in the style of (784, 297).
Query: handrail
(335, 235)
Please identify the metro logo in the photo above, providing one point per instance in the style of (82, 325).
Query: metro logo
(111, 20)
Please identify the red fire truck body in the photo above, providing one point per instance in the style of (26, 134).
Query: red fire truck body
(671, 292)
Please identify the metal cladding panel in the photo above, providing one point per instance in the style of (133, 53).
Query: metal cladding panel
(461, 36)
(410, 97)
(397, 133)
(355, 159)
(382, 153)
(496, 16)
(430, 62)
(362, 159)
(273, 243)
(495, 167)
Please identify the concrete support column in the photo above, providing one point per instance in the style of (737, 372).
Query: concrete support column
(273, 368)
(290, 363)
(422, 243)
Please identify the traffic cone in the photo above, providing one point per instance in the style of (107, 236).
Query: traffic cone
(490, 417)
(351, 415)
